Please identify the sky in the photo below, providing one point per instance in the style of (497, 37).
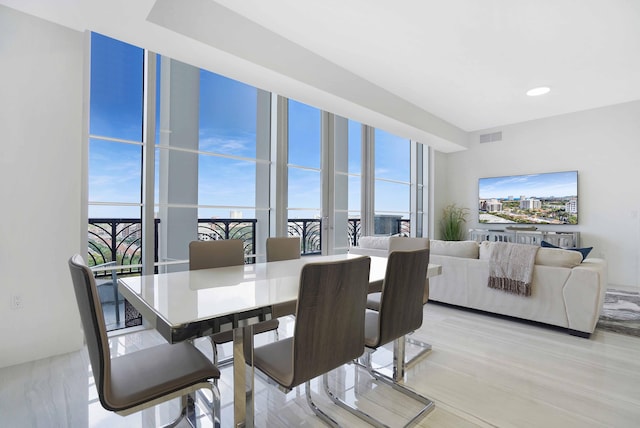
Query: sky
(556, 184)
(227, 125)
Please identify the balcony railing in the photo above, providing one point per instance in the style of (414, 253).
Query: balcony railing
(308, 229)
(223, 228)
(118, 242)
(353, 230)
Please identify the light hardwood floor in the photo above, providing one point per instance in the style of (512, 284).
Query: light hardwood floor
(483, 371)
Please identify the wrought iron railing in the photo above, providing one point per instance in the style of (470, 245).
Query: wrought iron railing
(120, 240)
(117, 240)
(353, 230)
(226, 228)
(308, 229)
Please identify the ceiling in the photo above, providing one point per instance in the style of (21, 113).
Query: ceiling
(432, 70)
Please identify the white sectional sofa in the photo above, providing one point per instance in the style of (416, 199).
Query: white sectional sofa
(566, 291)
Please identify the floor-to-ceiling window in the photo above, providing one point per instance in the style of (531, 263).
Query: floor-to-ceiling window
(355, 179)
(304, 181)
(210, 170)
(115, 140)
(227, 146)
(115, 160)
(392, 183)
(207, 157)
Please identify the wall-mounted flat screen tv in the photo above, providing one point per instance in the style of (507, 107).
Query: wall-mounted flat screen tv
(549, 198)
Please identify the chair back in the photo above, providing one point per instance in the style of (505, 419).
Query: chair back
(283, 248)
(329, 329)
(93, 324)
(402, 291)
(397, 243)
(214, 254)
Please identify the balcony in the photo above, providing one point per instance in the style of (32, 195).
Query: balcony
(115, 249)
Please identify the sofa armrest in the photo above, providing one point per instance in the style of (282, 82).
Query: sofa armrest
(584, 294)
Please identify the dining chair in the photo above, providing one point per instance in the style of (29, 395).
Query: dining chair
(216, 253)
(328, 331)
(279, 249)
(224, 253)
(398, 243)
(373, 300)
(400, 313)
(283, 248)
(142, 379)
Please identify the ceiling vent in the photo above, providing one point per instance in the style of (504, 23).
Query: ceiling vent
(490, 138)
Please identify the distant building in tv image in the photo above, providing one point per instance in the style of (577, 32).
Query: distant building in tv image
(549, 198)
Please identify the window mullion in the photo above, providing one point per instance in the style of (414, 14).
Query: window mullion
(148, 163)
(368, 181)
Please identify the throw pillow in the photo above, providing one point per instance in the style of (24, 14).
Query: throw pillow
(584, 251)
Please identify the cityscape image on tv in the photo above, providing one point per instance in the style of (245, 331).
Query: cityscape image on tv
(549, 198)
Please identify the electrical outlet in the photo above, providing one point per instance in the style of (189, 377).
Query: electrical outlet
(16, 301)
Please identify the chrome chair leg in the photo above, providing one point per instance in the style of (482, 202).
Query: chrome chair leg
(426, 347)
(400, 363)
(213, 405)
(187, 409)
(322, 415)
(398, 359)
(428, 404)
(357, 412)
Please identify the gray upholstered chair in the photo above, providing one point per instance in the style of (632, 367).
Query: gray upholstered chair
(283, 248)
(223, 253)
(329, 327)
(399, 243)
(213, 254)
(400, 313)
(279, 249)
(141, 379)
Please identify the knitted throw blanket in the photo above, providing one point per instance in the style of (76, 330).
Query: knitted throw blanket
(511, 267)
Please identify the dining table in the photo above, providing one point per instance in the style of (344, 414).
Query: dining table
(189, 304)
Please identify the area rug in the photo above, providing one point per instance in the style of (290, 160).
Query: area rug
(621, 312)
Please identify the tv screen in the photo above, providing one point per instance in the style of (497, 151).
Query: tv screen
(549, 198)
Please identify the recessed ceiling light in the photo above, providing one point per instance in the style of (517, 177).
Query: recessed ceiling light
(538, 91)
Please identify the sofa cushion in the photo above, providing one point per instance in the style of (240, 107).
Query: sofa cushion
(558, 257)
(464, 249)
(555, 257)
(374, 242)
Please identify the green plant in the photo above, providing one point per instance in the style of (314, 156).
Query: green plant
(452, 224)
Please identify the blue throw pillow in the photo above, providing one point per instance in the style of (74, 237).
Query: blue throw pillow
(584, 251)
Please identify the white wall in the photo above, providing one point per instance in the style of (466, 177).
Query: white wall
(40, 185)
(602, 144)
